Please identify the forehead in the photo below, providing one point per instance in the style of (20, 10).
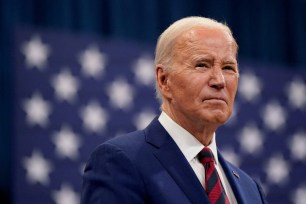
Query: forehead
(199, 38)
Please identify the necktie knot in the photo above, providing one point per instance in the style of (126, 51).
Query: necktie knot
(206, 156)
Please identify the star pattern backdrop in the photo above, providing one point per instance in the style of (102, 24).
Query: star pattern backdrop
(73, 92)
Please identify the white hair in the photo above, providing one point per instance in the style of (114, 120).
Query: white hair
(165, 45)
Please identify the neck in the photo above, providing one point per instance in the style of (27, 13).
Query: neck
(201, 131)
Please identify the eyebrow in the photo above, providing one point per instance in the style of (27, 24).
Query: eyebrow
(230, 62)
(210, 59)
(199, 58)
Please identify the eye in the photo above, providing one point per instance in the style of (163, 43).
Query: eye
(202, 65)
(230, 68)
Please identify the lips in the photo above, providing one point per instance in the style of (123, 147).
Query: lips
(215, 98)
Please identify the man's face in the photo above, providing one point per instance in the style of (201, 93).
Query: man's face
(202, 84)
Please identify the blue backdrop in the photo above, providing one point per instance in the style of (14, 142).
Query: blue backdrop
(270, 32)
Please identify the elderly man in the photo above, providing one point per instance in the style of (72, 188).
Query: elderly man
(175, 158)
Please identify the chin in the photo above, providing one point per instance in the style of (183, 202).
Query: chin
(219, 121)
(219, 118)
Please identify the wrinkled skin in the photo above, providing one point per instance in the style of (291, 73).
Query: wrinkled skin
(199, 90)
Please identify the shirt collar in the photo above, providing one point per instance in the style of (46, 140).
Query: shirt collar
(186, 142)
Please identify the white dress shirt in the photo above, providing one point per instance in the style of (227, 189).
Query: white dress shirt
(190, 148)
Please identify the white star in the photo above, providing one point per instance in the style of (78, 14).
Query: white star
(66, 143)
(144, 70)
(37, 110)
(249, 86)
(296, 91)
(36, 53)
(297, 146)
(251, 139)
(65, 86)
(120, 94)
(231, 156)
(66, 195)
(277, 170)
(92, 62)
(143, 119)
(38, 168)
(94, 117)
(299, 195)
(274, 116)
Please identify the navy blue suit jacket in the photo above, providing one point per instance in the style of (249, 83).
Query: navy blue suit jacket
(148, 167)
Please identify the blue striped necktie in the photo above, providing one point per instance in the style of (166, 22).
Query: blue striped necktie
(213, 186)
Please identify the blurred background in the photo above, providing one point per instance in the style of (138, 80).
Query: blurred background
(100, 45)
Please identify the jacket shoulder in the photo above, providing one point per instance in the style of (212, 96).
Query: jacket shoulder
(246, 189)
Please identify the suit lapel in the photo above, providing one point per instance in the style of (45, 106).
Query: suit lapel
(173, 160)
(233, 178)
(245, 189)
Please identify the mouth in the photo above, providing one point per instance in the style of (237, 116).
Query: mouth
(215, 99)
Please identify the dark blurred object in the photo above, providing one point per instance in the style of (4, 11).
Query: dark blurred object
(5, 196)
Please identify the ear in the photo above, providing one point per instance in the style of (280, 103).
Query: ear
(162, 79)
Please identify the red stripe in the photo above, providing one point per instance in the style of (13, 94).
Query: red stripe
(216, 192)
(209, 171)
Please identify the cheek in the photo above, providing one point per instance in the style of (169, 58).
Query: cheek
(231, 89)
(232, 85)
(176, 86)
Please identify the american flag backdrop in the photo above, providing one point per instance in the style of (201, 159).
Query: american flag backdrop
(73, 92)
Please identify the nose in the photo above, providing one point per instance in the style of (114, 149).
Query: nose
(217, 80)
